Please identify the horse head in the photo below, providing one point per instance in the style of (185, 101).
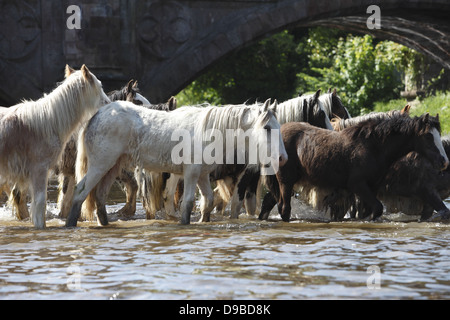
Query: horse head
(132, 94)
(428, 140)
(92, 87)
(316, 113)
(269, 123)
(337, 107)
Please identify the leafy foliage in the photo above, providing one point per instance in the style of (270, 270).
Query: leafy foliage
(362, 69)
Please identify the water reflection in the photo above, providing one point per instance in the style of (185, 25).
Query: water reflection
(224, 259)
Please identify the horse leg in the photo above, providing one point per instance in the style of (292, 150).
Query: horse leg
(250, 199)
(285, 196)
(169, 195)
(66, 195)
(101, 192)
(191, 176)
(432, 198)
(207, 198)
(39, 198)
(82, 189)
(268, 203)
(131, 189)
(236, 205)
(368, 199)
(19, 202)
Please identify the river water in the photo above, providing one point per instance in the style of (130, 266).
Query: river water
(309, 258)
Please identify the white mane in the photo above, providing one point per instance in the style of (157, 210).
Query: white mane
(59, 112)
(293, 110)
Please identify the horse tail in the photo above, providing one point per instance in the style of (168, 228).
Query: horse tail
(17, 200)
(222, 195)
(151, 186)
(81, 168)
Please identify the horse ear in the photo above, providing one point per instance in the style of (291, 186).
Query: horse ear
(130, 86)
(135, 84)
(334, 92)
(266, 105)
(172, 103)
(405, 110)
(68, 71)
(317, 94)
(86, 73)
(329, 90)
(274, 106)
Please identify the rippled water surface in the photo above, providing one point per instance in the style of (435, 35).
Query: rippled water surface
(224, 259)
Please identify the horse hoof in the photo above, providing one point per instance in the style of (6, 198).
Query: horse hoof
(440, 216)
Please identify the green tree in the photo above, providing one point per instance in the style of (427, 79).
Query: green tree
(266, 69)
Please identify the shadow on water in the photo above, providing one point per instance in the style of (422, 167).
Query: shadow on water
(308, 258)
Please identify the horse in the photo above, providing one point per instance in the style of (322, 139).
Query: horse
(130, 92)
(145, 185)
(33, 134)
(65, 168)
(332, 107)
(324, 199)
(353, 159)
(122, 133)
(413, 186)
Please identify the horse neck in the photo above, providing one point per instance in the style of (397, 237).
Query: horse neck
(291, 111)
(395, 145)
(60, 112)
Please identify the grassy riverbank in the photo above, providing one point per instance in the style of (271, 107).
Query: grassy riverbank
(438, 103)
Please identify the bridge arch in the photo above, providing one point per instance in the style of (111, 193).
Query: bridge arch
(419, 25)
(165, 44)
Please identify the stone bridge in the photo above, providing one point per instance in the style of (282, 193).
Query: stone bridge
(167, 44)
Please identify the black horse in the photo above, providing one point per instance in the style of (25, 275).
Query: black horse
(353, 159)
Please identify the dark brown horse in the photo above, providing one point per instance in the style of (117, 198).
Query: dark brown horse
(413, 186)
(355, 159)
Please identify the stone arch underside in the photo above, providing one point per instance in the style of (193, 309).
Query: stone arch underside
(167, 44)
(422, 26)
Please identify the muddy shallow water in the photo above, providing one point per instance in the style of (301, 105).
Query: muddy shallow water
(225, 259)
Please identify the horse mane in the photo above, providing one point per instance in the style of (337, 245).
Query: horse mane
(296, 109)
(228, 117)
(340, 124)
(381, 127)
(54, 113)
(327, 103)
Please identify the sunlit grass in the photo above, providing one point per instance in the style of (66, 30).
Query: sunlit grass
(436, 104)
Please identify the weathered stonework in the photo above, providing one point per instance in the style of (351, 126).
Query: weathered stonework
(166, 44)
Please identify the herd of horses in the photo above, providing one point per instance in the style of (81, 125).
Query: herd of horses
(335, 163)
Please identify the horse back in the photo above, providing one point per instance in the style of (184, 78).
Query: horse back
(322, 157)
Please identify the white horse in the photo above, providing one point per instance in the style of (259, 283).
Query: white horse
(33, 134)
(121, 132)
